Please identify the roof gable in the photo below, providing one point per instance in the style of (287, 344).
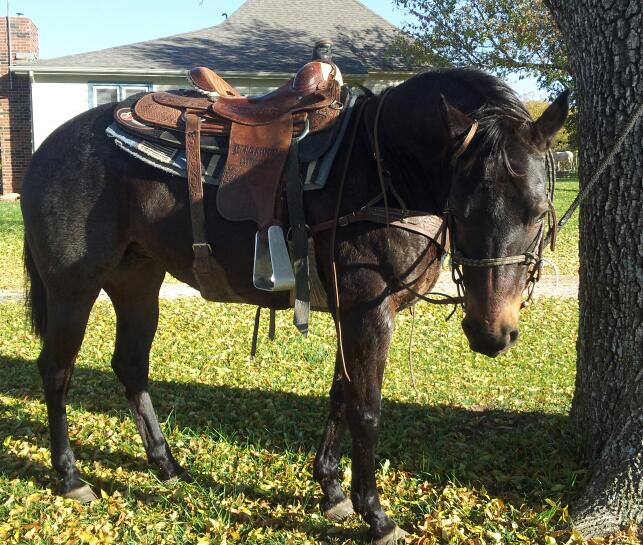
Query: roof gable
(263, 36)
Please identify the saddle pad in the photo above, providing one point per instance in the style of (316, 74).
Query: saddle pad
(251, 180)
(166, 158)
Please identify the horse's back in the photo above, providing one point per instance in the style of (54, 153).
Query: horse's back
(67, 153)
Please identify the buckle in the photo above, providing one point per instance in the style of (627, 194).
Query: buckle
(201, 249)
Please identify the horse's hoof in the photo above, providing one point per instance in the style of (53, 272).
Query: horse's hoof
(84, 494)
(184, 476)
(340, 511)
(392, 537)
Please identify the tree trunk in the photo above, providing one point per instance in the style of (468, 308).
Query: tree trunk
(606, 51)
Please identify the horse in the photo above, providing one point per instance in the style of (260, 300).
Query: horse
(457, 143)
(564, 157)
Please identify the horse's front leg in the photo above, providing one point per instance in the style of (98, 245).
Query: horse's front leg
(367, 333)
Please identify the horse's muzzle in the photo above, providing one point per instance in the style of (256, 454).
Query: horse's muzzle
(488, 342)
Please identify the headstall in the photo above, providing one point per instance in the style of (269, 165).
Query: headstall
(532, 257)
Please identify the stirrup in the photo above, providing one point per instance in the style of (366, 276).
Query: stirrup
(272, 268)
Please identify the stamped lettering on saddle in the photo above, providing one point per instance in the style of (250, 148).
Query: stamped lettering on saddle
(262, 136)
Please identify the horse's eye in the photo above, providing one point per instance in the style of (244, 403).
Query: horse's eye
(540, 217)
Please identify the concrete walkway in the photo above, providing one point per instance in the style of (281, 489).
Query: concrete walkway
(567, 288)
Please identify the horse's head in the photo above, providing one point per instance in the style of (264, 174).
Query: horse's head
(497, 208)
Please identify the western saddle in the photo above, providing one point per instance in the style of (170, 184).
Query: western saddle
(263, 134)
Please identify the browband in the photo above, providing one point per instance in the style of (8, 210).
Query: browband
(465, 144)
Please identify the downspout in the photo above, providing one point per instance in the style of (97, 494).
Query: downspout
(33, 134)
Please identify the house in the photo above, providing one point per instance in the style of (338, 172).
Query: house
(256, 49)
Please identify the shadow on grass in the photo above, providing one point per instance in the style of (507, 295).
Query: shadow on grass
(521, 457)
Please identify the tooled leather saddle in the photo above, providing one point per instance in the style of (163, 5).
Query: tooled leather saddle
(262, 135)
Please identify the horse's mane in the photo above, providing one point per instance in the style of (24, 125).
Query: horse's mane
(501, 115)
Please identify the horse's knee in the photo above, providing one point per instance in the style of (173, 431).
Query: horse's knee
(132, 373)
(365, 423)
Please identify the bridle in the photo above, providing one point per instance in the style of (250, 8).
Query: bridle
(457, 261)
(532, 257)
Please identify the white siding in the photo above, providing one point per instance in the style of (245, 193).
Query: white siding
(55, 103)
(58, 98)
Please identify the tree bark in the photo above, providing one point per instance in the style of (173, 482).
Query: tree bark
(606, 50)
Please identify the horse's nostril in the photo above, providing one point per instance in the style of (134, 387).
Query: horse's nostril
(513, 336)
(466, 327)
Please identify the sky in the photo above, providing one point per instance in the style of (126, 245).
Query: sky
(72, 26)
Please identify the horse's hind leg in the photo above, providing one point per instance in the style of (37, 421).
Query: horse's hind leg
(335, 505)
(66, 322)
(134, 293)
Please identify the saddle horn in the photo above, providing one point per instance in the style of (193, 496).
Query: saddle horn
(323, 51)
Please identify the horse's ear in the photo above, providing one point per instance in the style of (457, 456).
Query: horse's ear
(551, 121)
(456, 123)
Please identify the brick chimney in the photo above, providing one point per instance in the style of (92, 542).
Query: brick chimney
(18, 45)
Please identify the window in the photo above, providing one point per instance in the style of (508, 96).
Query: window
(102, 93)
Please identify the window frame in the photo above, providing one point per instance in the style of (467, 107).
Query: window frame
(120, 87)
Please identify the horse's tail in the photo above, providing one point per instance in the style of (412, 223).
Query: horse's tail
(35, 294)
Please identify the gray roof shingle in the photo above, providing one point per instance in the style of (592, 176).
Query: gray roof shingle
(263, 36)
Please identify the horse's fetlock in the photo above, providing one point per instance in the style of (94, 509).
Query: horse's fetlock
(324, 468)
(64, 463)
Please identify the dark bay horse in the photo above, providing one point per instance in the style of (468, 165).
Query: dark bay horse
(97, 218)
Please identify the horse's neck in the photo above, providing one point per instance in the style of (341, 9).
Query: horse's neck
(423, 183)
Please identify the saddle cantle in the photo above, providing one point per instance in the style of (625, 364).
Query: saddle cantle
(261, 137)
(209, 83)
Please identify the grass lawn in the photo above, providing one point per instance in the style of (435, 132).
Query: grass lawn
(566, 253)
(11, 233)
(11, 274)
(482, 453)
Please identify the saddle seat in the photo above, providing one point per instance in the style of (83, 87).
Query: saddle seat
(312, 97)
(316, 88)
